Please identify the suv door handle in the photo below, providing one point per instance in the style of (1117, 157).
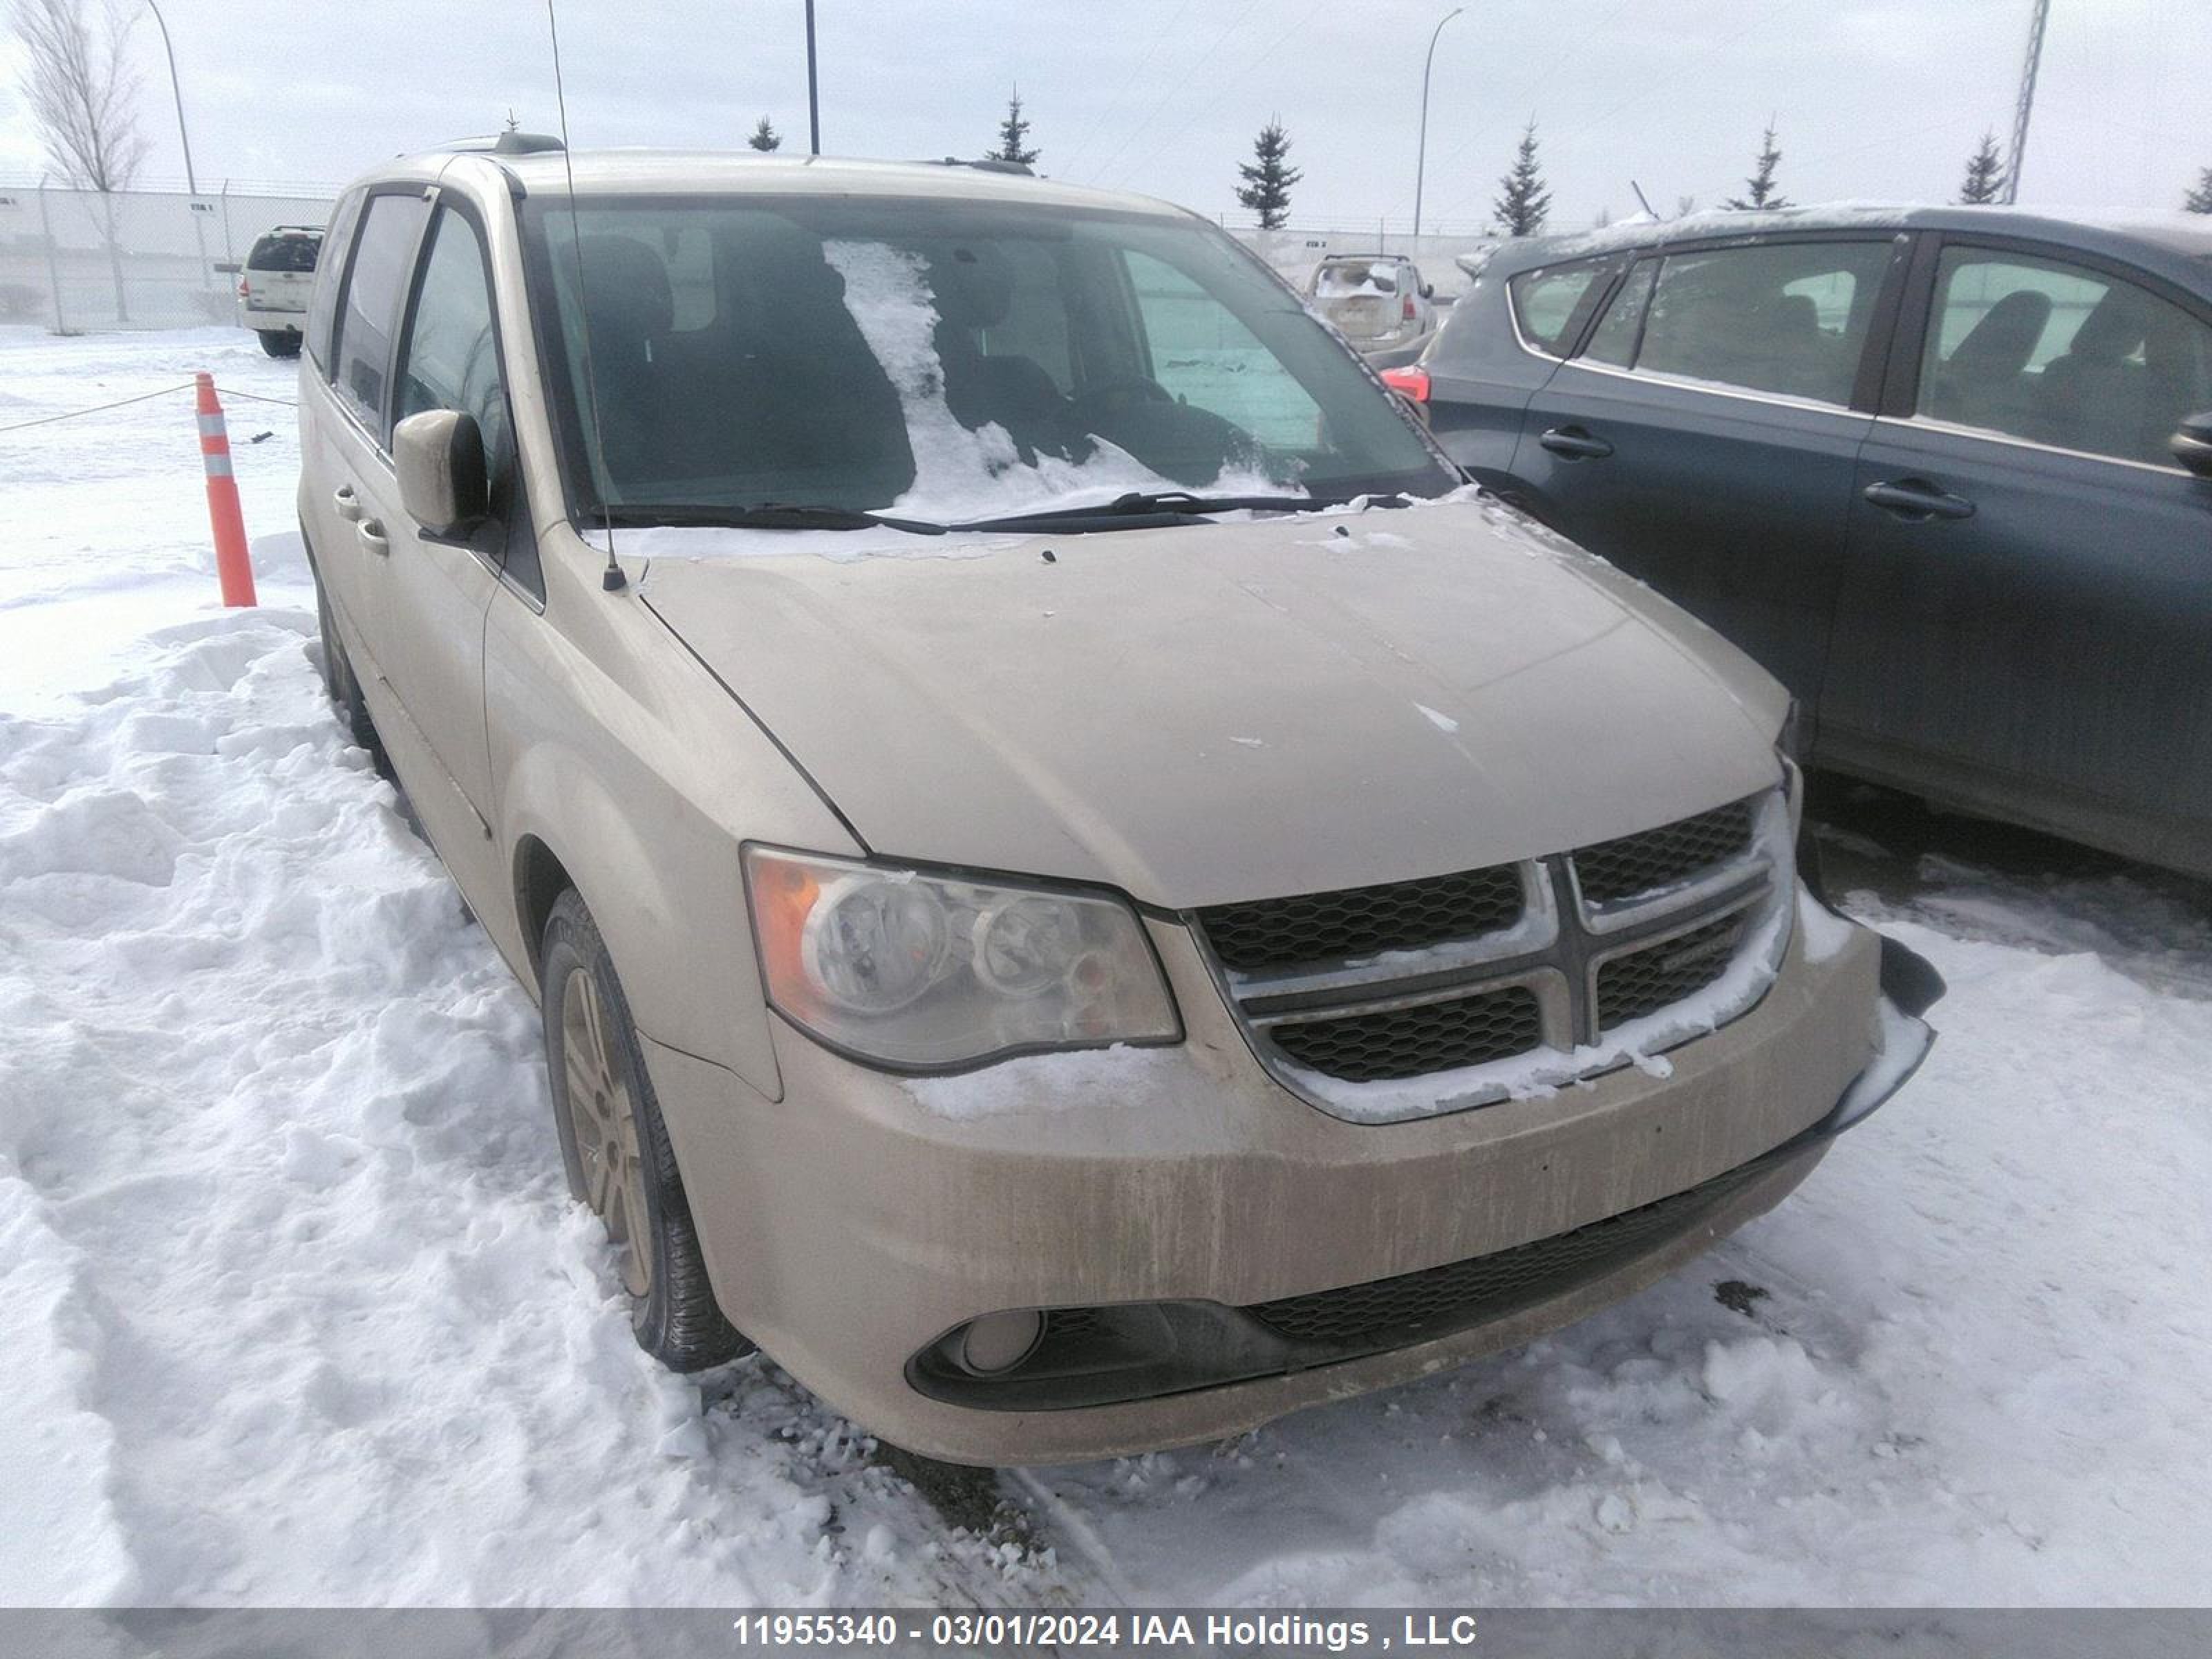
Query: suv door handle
(371, 531)
(349, 504)
(1575, 444)
(1917, 500)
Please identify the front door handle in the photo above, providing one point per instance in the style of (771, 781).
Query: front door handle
(371, 531)
(349, 504)
(1917, 500)
(1575, 444)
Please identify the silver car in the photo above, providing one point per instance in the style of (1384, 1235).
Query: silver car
(1085, 892)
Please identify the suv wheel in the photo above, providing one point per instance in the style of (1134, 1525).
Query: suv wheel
(616, 1149)
(279, 342)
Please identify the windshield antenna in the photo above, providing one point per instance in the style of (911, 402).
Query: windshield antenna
(611, 579)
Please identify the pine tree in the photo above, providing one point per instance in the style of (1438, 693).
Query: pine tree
(765, 137)
(2199, 200)
(1522, 201)
(1013, 133)
(1268, 176)
(1761, 182)
(1984, 180)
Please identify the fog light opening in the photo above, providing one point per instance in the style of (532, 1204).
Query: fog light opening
(997, 1343)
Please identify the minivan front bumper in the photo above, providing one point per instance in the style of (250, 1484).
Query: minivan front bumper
(852, 1228)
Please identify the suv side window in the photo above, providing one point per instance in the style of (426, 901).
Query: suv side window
(1613, 340)
(1545, 301)
(2058, 353)
(451, 356)
(369, 314)
(323, 303)
(1789, 319)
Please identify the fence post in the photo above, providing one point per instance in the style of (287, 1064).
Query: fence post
(53, 272)
(234, 566)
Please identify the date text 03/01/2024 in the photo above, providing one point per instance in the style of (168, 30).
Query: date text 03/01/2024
(1103, 1630)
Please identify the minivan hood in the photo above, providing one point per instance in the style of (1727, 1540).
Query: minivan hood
(1222, 711)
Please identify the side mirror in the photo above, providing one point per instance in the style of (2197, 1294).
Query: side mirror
(2191, 444)
(1428, 291)
(443, 481)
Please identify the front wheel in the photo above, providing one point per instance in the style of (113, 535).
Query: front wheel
(616, 1147)
(279, 342)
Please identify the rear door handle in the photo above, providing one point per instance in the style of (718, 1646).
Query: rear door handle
(349, 504)
(371, 531)
(1575, 444)
(1917, 500)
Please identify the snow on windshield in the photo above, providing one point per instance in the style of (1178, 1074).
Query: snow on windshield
(961, 473)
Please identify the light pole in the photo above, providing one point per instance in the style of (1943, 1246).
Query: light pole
(176, 92)
(1421, 165)
(813, 98)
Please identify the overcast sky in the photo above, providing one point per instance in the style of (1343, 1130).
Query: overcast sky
(1879, 99)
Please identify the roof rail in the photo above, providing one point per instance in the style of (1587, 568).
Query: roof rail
(509, 143)
(986, 164)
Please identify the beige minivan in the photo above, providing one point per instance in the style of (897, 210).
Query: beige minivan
(1085, 893)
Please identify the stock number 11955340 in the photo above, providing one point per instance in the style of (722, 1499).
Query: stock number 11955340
(816, 1630)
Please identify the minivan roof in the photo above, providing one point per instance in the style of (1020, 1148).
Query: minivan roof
(696, 172)
(2180, 243)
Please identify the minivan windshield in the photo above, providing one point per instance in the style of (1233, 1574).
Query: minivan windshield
(938, 360)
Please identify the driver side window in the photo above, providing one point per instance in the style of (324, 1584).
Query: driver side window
(1202, 356)
(452, 354)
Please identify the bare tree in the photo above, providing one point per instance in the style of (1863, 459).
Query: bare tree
(83, 100)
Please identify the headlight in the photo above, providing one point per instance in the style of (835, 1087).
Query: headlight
(924, 971)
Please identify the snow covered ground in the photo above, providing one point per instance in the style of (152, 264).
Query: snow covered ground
(295, 1308)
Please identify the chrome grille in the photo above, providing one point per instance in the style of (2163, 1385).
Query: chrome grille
(1613, 870)
(1362, 921)
(1387, 985)
(1643, 981)
(1409, 1042)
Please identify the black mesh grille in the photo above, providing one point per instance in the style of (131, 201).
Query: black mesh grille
(1362, 921)
(1644, 981)
(1433, 1036)
(1391, 1312)
(1659, 858)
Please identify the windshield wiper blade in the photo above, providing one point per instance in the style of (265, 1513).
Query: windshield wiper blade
(768, 515)
(1169, 504)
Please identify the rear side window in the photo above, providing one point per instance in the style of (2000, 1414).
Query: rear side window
(2056, 354)
(323, 305)
(375, 289)
(1789, 319)
(1545, 303)
(291, 252)
(1613, 340)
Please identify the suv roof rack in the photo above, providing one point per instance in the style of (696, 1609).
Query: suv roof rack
(509, 143)
(986, 164)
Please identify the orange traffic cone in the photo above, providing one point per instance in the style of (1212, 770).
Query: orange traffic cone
(232, 564)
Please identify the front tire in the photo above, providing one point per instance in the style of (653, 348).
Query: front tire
(617, 1150)
(279, 342)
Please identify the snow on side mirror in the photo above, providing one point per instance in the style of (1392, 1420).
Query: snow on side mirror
(443, 483)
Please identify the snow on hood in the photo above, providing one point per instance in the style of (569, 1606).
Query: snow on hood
(1216, 712)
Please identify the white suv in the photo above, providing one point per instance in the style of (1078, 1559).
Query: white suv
(273, 288)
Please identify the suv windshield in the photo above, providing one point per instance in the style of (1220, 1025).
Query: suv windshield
(942, 360)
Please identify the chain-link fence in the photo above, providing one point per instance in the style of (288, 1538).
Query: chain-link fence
(78, 259)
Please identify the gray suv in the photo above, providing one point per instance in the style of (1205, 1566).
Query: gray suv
(1946, 472)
